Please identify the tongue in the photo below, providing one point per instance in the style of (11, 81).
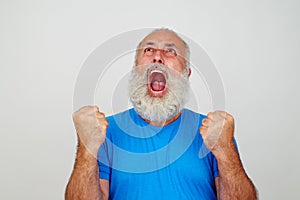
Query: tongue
(157, 86)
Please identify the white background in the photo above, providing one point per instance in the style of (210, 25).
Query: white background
(254, 44)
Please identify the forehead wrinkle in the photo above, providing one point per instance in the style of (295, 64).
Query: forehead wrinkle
(164, 45)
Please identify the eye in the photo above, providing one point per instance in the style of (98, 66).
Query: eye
(170, 52)
(148, 50)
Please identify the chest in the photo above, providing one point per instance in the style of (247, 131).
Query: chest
(163, 165)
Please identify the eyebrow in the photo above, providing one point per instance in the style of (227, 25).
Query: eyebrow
(149, 43)
(166, 44)
(170, 45)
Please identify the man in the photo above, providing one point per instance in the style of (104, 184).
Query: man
(153, 151)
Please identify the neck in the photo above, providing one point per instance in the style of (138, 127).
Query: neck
(153, 123)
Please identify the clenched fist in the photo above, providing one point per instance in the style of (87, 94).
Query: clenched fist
(217, 131)
(90, 125)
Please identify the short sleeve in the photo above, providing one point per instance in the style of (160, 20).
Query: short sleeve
(215, 167)
(103, 162)
(104, 171)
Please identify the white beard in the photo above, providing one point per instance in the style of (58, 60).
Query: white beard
(158, 109)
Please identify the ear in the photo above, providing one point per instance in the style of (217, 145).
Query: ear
(190, 72)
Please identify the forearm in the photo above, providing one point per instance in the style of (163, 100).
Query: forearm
(234, 183)
(84, 181)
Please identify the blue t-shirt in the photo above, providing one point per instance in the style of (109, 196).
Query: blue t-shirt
(142, 161)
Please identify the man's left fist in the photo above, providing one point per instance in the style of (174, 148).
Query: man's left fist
(217, 131)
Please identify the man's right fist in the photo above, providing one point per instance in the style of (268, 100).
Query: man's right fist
(90, 125)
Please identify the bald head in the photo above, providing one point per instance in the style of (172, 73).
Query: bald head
(165, 38)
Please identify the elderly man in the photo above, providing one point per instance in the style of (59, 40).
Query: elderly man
(152, 151)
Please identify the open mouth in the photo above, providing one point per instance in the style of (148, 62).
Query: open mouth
(157, 82)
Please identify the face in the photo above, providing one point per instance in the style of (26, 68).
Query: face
(159, 83)
(160, 47)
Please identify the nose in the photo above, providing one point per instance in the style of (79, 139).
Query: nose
(158, 57)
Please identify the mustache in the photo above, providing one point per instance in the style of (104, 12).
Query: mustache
(154, 108)
(161, 67)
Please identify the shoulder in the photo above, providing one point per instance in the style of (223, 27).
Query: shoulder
(192, 116)
(124, 121)
(124, 115)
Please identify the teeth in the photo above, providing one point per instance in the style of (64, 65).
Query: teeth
(156, 70)
(159, 83)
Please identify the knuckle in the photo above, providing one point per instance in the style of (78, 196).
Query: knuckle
(106, 122)
(103, 121)
(101, 114)
(229, 117)
(96, 108)
(209, 115)
(202, 129)
(104, 126)
(218, 113)
(85, 108)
